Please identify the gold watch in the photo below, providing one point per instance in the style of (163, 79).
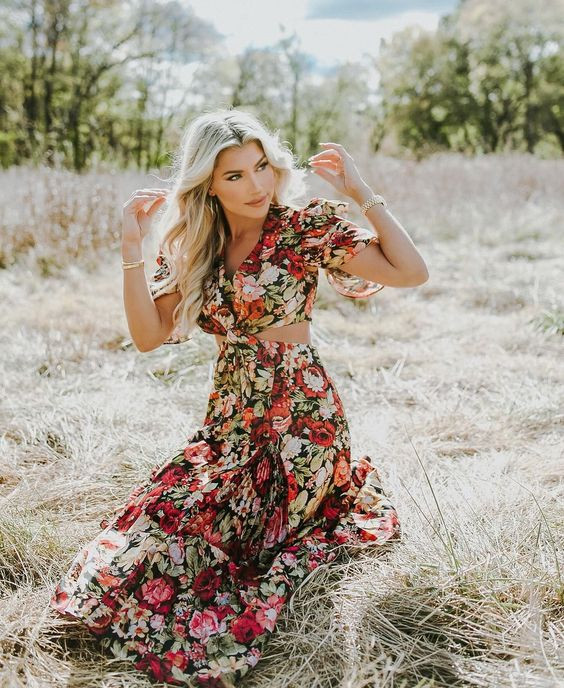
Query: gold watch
(373, 200)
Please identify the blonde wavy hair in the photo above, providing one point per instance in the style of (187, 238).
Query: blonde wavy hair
(193, 228)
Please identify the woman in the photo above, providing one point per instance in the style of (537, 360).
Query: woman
(188, 577)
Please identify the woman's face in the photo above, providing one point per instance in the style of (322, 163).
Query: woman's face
(243, 174)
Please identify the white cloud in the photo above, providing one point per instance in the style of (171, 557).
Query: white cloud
(257, 23)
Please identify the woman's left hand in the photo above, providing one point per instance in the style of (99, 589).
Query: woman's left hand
(344, 175)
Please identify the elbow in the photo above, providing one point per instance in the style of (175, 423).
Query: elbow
(417, 279)
(145, 347)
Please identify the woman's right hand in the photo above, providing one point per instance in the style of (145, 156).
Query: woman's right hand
(136, 221)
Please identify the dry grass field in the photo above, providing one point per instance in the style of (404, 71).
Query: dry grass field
(454, 389)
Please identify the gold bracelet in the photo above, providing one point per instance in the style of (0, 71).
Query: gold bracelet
(373, 200)
(127, 266)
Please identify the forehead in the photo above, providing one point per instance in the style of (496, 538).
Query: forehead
(239, 156)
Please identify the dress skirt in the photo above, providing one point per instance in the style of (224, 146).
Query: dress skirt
(188, 577)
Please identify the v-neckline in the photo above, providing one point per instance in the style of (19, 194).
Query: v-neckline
(230, 280)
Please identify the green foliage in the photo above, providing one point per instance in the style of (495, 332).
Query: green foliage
(98, 86)
(492, 87)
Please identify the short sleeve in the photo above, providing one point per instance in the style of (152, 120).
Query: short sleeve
(161, 273)
(329, 240)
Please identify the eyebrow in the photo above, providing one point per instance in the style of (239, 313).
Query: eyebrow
(234, 171)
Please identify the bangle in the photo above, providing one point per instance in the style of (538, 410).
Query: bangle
(373, 200)
(127, 266)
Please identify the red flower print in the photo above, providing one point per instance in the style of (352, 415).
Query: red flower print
(331, 507)
(206, 583)
(210, 681)
(245, 574)
(178, 659)
(246, 628)
(254, 309)
(248, 416)
(322, 433)
(173, 475)
(361, 471)
(199, 523)
(156, 667)
(170, 520)
(157, 594)
(198, 453)
(296, 268)
(279, 387)
(221, 611)
(293, 488)
(269, 356)
(262, 433)
(128, 518)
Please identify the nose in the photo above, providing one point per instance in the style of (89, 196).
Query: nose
(255, 185)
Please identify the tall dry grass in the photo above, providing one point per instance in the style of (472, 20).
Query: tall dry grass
(454, 388)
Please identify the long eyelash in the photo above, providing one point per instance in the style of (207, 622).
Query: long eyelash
(238, 175)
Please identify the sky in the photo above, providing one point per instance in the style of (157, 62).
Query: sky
(331, 31)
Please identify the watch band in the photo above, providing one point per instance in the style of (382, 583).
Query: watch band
(373, 200)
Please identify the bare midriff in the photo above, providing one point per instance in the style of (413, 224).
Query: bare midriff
(298, 333)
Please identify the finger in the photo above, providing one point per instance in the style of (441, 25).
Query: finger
(335, 165)
(142, 198)
(338, 146)
(328, 153)
(320, 172)
(153, 192)
(138, 200)
(330, 143)
(155, 206)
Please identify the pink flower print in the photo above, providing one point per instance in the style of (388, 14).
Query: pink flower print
(269, 611)
(157, 594)
(276, 527)
(203, 625)
(248, 287)
(289, 559)
(157, 621)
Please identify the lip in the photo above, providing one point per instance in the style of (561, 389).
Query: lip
(260, 202)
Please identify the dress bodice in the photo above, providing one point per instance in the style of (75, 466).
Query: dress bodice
(276, 284)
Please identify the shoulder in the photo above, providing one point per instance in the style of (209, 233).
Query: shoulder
(162, 273)
(319, 211)
(318, 217)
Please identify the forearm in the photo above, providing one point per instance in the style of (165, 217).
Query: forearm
(395, 242)
(142, 315)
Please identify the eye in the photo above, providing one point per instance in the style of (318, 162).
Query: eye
(264, 164)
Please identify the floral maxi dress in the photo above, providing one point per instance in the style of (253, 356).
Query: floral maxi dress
(188, 577)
